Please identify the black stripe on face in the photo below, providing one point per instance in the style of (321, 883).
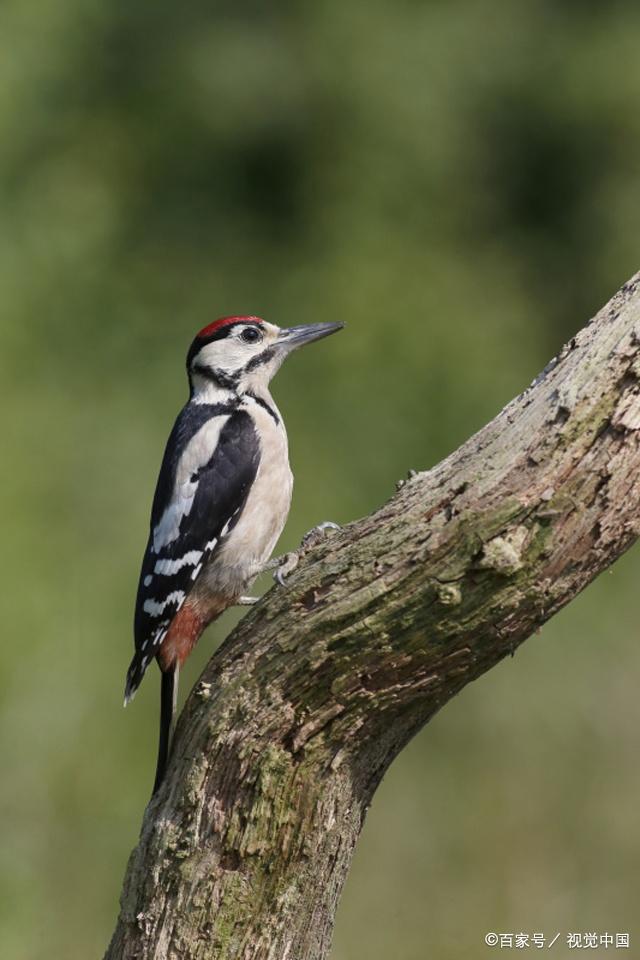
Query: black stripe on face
(265, 357)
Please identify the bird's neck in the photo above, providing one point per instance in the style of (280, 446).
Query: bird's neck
(260, 391)
(209, 392)
(212, 392)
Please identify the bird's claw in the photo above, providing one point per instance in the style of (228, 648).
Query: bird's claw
(314, 535)
(288, 563)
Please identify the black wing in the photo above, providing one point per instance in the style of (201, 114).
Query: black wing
(189, 518)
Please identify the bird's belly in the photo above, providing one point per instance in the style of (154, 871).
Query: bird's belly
(252, 540)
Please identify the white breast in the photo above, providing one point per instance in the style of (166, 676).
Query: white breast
(252, 541)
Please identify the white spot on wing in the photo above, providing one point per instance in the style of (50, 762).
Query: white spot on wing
(196, 571)
(168, 567)
(155, 607)
(147, 580)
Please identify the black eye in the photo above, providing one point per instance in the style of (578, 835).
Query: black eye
(251, 335)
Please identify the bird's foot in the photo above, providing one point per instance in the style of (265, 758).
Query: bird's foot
(316, 534)
(286, 564)
(246, 601)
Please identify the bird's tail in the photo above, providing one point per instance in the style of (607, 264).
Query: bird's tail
(135, 674)
(168, 703)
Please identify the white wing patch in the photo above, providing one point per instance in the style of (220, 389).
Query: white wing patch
(196, 454)
(156, 607)
(168, 528)
(167, 568)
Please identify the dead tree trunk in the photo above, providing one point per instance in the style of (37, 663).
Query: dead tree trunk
(286, 736)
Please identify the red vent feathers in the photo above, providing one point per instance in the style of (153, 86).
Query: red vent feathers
(212, 328)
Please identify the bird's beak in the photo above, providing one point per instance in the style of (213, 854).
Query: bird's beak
(290, 338)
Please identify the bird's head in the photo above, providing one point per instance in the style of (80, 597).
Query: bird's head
(243, 353)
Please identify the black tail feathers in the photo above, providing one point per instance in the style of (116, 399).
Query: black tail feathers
(135, 674)
(168, 702)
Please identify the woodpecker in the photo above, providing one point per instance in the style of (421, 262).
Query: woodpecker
(221, 501)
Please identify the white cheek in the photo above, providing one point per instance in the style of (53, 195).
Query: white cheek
(228, 354)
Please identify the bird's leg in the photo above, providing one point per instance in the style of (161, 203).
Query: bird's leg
(287, 563)
(283, 566)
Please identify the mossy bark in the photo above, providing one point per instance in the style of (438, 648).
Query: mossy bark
(286, 736)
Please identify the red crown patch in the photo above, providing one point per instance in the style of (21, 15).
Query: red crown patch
(212, 328)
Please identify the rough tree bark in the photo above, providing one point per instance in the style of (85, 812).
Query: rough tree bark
(286, 736)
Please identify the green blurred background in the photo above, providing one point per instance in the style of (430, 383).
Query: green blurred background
(459, 182)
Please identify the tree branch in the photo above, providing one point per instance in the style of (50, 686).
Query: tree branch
(286, 736)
